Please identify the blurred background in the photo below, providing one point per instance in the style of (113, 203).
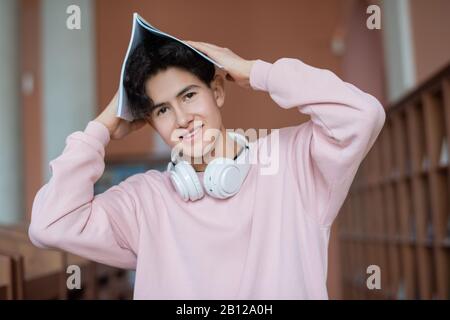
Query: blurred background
(53, 80)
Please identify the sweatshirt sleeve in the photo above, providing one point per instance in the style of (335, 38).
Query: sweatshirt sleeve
(324, 153)
(66, 214)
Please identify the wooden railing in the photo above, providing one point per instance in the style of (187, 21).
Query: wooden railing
(397, 213)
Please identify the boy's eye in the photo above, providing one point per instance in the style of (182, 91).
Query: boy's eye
(161, 110)
(190, 94)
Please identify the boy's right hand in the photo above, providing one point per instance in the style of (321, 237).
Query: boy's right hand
(118, 127)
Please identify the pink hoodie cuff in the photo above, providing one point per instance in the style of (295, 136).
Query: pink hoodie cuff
(99, 131)
(258, 75)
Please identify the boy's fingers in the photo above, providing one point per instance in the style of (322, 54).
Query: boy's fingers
(212, 46)
(204, 44)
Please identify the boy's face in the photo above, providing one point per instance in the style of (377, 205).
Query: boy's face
(177, 114)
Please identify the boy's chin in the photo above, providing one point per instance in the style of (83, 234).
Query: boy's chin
(197, 151)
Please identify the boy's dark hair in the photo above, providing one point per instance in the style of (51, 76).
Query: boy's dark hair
(158, 54)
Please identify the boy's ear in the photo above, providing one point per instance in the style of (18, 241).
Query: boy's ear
(218, 88)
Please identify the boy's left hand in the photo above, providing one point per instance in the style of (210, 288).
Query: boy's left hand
(237, 68)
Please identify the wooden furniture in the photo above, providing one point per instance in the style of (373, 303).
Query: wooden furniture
(11, 276)
(113, 283)
(397, 213)
(41, 267)
(28, 272)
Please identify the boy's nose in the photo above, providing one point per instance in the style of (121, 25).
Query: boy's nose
(183, 118)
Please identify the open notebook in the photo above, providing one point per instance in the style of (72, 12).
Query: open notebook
(143, 31)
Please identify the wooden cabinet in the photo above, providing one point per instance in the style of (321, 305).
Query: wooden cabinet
(397, 213)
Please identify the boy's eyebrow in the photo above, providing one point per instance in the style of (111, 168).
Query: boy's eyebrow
(178, 94)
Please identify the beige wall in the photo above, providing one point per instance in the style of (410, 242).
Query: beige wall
(431, 35)
(362, 61)
(30, 43)
(10, 134)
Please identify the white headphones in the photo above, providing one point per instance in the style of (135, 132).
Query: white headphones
(222, 179)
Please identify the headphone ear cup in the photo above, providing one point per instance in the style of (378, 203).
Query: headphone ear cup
(189, 178)
(177, 182)
(222, 178)
(180, 187)
(208, 177)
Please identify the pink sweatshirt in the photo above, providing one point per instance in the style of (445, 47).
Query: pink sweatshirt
(269, 241)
